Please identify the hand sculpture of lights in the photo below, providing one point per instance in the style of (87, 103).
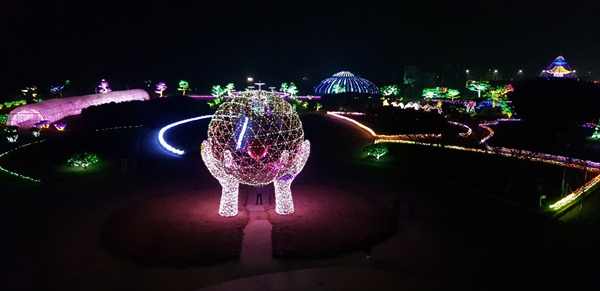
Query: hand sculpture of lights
(255, 138)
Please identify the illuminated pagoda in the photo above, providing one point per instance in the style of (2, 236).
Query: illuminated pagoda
(558, 69)
(346, 82)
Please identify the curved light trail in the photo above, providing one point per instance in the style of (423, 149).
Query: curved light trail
(161, 134)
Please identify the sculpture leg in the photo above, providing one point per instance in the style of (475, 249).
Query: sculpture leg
(229, 197)
(283, 197)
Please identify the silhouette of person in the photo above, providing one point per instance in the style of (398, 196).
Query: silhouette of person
(259, 190)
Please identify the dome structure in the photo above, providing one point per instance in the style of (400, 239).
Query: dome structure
(255, 138)
(346, 82)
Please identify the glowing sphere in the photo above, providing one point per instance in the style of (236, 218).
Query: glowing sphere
(257, 127)
(255, 138)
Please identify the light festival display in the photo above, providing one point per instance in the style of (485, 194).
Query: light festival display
(183, 87)
(255, 138)
(559, 205)
(83, 160)
(559, 69)
(160, 89)
(596, 135)
(60, 126)
(53, 110)
(104, 87)
(16, 149)
(346, 82)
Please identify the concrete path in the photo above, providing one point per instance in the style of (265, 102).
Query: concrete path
(257, 251)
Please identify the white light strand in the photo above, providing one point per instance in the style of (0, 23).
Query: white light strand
(161, 133)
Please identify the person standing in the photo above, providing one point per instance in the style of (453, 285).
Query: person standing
(259, 190)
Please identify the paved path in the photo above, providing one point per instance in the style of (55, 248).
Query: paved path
(256, 247)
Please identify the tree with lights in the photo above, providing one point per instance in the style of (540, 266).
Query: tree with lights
(104, 87)
(230, 88)
(183, 87)
(160, 88)
(337, 89)
(452, 93)
(478, 87)
(376, 150)
(390, 90)
(218, 92)
(292, 90)
(430, 93)
(499, 97)
(83, 160)
(284, 88)
(596, 135)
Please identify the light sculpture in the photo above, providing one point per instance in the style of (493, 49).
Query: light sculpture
(104, 87)
(160, 88)
(60, 126)
(255, 138)
(183, 87)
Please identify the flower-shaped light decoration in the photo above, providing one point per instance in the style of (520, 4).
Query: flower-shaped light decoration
(104, 87)
(255, 138)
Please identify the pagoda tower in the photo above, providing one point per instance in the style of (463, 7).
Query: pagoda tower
(558, 69)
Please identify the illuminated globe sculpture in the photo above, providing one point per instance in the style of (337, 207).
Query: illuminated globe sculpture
(255, 138)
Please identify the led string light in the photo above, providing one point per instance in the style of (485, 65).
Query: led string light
(17, 174)
(507, 152)
(255, 138)
(161, 134)
(119, 127)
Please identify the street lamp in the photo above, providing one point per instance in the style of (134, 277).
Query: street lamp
(250, 79)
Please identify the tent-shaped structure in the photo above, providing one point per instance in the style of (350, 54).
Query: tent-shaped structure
(346, 82)
(558, 69)
(55, 109)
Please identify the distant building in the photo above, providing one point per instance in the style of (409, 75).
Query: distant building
(559, 69)
(345, 82)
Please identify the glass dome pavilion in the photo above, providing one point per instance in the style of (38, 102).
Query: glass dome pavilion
(346, 82)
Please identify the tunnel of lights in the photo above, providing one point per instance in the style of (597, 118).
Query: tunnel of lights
(346, 82)
(55, 109)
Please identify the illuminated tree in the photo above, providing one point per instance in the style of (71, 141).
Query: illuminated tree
(499, 97)
(230, 88)
(218, 92)
(160, 88)
(12, 133)
(453, 93)
(30, 92)
(390, 90)
(104, 87)
(83, 160)
(284, 88)
(376, 150)
(338, 89)
(596, 135)
(430, 93)
(183, 87)
(478, 87)
(292, 90)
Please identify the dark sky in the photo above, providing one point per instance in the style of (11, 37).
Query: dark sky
(216, 42)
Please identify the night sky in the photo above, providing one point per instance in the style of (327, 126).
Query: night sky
(217, 42)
